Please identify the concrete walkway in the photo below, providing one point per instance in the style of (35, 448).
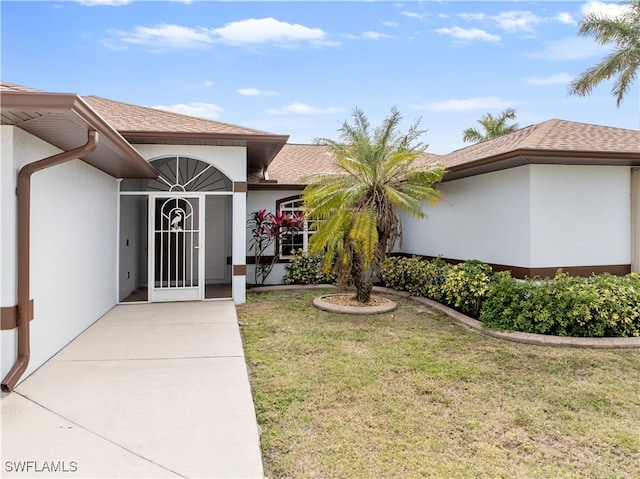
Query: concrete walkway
(150, 390)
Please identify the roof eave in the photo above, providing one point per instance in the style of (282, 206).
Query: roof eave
(535, 156)
(126, 162)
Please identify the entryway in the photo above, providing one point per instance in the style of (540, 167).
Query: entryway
(175, 234)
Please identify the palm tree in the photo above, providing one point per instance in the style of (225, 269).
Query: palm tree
(493, 127)
(623, 32)
(357, 210)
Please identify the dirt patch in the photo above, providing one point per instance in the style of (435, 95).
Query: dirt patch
(350, 300)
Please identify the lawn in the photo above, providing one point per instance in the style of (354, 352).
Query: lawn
(411, 394)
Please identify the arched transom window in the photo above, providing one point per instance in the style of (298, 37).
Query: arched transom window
(178, 174)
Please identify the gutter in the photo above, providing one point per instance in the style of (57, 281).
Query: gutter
(25, 307)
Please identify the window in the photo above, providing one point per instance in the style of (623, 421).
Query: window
(293, 205)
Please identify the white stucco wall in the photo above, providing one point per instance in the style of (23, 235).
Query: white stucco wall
(482, 217)
(257, 200)
(531, 216)
(8, 285)
(73, 249)
(580, 215)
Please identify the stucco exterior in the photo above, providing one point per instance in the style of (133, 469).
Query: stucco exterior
(73, 246)
(580, 215)
(533, 216)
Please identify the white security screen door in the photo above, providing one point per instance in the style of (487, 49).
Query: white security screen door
(175, 238)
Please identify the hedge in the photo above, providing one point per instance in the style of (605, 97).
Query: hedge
(306, 268)
(599, 306)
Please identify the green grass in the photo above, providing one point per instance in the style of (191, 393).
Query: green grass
(411, 394)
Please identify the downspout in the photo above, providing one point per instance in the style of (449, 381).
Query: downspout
(25, 313)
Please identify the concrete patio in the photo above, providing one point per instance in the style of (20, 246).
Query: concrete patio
(150, 390)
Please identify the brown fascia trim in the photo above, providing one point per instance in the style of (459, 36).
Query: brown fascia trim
(195, 135)
(560, 157)
(522, 272)
(25, 306)
(42, 101)
(272, 185)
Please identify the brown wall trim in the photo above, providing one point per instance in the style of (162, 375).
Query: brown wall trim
(239, 269)
(277, 186)
(267, 260)
(522, 272)
(9, 316)
(239, 186)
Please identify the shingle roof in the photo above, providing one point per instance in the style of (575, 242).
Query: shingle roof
(133, 118)
(6, 86)
(295, 164)
(551, 136)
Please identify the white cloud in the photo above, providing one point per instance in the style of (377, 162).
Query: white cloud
(304, 109)
(517, 20)
(472, 16)
(243, 33)
(510, 21)
(469, 34)
(564, 17)
(370, 35)
(255, 92)
(376, 35)
(268, 30)
(390, 24)
(200, 110)
(478, 103)
(557, 79)
(571, 48)
(610, 10)
(110, 3)
(208, 83)
(416, 15)
(166, 36)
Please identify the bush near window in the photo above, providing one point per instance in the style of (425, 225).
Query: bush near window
(306, 268)
(599, 306)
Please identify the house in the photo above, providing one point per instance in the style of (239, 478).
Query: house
(105, 202)
(558, 194)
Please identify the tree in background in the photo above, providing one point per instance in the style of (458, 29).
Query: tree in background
(357, 210)
(493, 127)
(623, 33)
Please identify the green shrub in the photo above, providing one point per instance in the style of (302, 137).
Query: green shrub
(306, 268)
(600, 306)
(603, 305)
(416, 276)
(466, 286)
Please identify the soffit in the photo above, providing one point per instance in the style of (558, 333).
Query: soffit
(64, 120)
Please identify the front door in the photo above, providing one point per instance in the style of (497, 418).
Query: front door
(176, 264)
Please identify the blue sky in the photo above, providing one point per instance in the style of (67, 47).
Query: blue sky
(299, 68)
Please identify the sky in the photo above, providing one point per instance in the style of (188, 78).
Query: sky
(300, 68)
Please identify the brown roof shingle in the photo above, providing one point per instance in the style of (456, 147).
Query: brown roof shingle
(296, 164)
(6, 86)
(552, 136)
(128, 118)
